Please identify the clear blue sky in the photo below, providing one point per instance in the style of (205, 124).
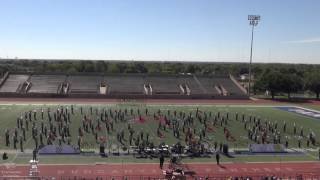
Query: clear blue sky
(198, 30)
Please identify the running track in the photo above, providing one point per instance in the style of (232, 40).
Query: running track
(152, 169)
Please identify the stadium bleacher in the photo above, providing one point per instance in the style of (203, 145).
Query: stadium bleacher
(230, 86)
(209, 84)
(84, 84)
(164, 85)
(124, 84)
(13, 82)
(46, 83)
(191, 83)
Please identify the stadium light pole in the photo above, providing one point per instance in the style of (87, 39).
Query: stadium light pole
(253, 19)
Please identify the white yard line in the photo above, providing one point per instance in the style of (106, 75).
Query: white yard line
(14, 158)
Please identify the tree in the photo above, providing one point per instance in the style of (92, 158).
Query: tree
(191, 68)
(71, 70)
(140, 67)
(177, 68)
(313, 82)
(130, 68)
(154, 67)
(276, 81)
(243, 70)
(290, 83)
(80, 66)
(122, 67)
(113, 68)
(269, 81)
(89, 67)
(100, 66)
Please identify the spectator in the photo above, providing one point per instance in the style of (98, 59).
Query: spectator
(161, 160)
(34, 153)
(218, 158)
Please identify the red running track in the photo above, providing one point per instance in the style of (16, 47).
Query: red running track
(152, 169)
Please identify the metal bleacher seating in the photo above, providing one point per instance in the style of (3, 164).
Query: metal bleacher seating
(221, 82)
(124, 84)
(191, 83)
(13, 82)
(46, 83)
(230, 86)
(84, 84)
(209, 84)
(164, 85)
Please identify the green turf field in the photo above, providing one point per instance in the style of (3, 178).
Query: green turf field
(9, 114)
(75, 159)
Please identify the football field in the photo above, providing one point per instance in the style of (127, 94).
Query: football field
(148, 124)
(145, 119)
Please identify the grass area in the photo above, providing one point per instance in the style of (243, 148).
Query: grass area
(75, 159)
(9, 114)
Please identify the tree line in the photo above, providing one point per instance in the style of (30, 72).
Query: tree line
(75, 66)
(282, 81)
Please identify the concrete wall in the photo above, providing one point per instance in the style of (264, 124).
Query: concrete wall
(127, 96)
